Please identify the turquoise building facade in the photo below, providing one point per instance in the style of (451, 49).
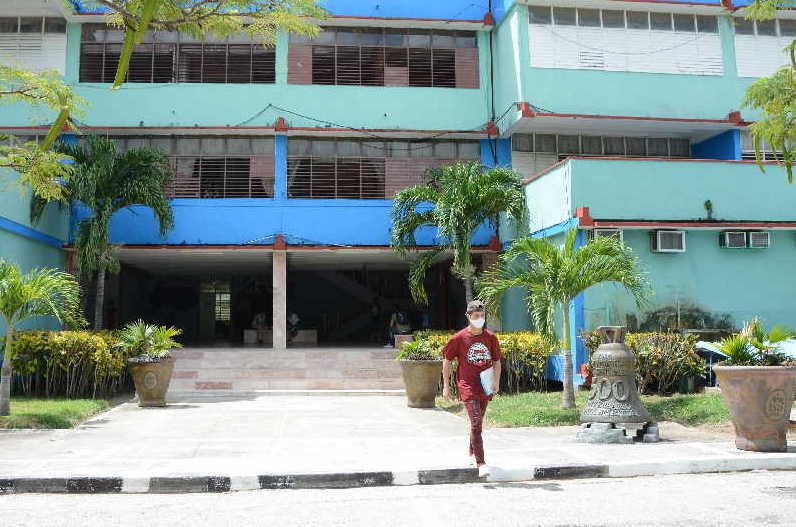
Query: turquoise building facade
(624, 118)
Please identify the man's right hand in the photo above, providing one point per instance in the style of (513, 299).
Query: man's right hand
(446, 394)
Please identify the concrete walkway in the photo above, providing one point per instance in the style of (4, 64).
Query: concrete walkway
(242, 437)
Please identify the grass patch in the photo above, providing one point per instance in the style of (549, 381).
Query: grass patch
(544, 409)
(28, 412)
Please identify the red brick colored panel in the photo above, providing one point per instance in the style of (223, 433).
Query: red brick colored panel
(299, 64)
(401, 172)
(468, 72)
(261, 177)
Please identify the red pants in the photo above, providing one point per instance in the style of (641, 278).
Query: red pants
(475, 411)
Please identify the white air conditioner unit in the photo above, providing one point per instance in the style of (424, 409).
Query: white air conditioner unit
(759, 240)
(733, 240)
(668, 241)
(608, 233)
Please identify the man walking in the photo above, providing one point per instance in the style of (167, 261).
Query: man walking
(475, 350)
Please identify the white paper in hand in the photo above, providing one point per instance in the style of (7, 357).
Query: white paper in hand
(488, 379)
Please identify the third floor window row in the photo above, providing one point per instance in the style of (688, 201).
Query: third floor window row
(386, 57)
(616, 19)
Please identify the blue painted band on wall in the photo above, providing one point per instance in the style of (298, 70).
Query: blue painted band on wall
(280, 167)
(33, 234)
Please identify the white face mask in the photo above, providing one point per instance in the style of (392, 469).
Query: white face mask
(478, 322)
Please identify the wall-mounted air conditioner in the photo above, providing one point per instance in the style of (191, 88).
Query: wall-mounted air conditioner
(733, 239)
(668, 241)
(759, 240)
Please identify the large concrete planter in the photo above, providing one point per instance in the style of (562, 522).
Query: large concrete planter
(421, 378)
(759, 399)
(152, 381)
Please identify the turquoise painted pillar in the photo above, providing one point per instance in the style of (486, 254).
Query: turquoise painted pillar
(282, 47)
(577, 323)
(280, 167)
(72, 68)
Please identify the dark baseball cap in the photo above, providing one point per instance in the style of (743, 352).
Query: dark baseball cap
(475, 305)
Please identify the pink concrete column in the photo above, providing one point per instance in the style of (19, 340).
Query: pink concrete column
(280, 299)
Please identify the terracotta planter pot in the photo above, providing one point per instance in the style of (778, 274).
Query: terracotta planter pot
(152, 381)
(759, 399)
(421, 378)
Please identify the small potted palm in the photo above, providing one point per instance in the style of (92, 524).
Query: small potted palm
(421, 366)
(757, 382)
(150, 362)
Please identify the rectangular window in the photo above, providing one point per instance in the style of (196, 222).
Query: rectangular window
(707, 24)
(766, 28)
(565, 145)
(564, 16)
(661, 21)
(391, 57)
(613, 19)
(589, 17)
(684, 23)
(364, 169)
(787, 28)
(540, 15)
(163, 58)
(637, 20)
(744, 27)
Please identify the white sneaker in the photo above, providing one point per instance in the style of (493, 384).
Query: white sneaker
(389, 346)
(484, 470)
(472, 461)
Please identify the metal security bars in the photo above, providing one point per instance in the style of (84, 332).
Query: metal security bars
(166, 57)
(214, 167)
(361, 169)
(385, 57)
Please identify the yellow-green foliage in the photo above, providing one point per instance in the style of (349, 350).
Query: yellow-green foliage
(525, 355)
(68, 363)
(664, 359)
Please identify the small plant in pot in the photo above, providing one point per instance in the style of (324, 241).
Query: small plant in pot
(150, 362)
(421, 366)
(757, 382)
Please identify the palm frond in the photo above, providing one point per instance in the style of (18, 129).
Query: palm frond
(417, 274)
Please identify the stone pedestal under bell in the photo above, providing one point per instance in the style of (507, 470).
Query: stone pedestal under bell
(614, 412)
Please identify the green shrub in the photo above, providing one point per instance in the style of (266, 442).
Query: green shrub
(418, 350)
(70, 364)
(664, 359)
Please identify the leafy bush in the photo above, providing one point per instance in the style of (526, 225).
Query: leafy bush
(754, 347)
(146, 343)
(68, 363)
(664, 359)
(419, 350)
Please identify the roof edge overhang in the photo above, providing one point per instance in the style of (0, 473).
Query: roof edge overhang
(688, 225)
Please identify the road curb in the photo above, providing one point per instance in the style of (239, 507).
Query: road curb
(348, 480)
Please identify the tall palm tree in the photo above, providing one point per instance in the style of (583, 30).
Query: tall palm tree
(105, 182)
(456, 199)
(41, 292)
(553, 276)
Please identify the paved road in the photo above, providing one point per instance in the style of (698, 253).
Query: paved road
(743, 499)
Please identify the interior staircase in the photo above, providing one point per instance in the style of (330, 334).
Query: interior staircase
(311, 370)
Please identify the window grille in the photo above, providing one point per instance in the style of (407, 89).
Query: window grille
(385, 57)
(163, 57)
(566, 145)
(213, 166)
(362, 169)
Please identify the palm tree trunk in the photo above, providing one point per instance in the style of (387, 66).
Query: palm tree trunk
(468, 289)
(5, 375)
(100, 298)
(568, 397)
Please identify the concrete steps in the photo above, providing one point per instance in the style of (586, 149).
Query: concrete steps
(367, 370)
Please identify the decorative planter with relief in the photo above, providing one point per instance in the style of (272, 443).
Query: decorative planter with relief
(422, 370)
(757, 383)
(150, 363)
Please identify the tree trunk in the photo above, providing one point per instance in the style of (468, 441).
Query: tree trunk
(99, 301)
(5, 375)
(468, 289)
(568, 397)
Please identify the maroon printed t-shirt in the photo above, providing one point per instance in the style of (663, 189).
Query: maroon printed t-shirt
(474, 353)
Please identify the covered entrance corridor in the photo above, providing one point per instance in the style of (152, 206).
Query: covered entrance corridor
(219, 296)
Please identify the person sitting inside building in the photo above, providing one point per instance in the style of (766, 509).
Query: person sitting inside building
(260, 323)
(293, 322)
(399, 325)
